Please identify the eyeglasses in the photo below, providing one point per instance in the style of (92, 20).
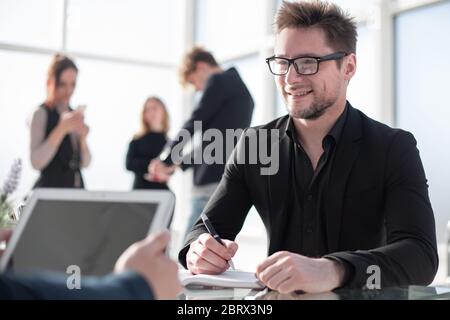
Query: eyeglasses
(303, 65)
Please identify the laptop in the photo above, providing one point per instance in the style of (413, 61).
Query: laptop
(62, 228)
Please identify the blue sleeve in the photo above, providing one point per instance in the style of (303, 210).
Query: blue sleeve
(125, 286)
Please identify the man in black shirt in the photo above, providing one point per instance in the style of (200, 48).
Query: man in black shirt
(350, 194)
(308, 192)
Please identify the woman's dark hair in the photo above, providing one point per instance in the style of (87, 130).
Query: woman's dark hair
(58, 65)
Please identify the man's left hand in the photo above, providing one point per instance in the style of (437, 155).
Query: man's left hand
(287, 272)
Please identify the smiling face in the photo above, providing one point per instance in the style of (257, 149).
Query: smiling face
(309, 97)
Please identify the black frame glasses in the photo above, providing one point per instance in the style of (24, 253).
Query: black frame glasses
(304, 65)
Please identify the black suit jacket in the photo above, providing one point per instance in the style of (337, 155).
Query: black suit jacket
(226, 103)
(378, 210)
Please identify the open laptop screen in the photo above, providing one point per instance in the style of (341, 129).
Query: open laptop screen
(89, 234)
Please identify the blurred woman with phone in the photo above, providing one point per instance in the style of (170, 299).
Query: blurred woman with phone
(58, 146)
(148, 143)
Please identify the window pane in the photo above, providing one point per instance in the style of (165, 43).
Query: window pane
(423, 96)
(229, 26)
(22, 89)
(363, 91)
(141, 29)
(32, 23)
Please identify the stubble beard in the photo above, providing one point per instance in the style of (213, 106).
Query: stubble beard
(313, 112)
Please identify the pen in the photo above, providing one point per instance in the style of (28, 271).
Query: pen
(215, 235)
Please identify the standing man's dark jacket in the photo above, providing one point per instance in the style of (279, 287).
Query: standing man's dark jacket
(376, 212)
(226, 103)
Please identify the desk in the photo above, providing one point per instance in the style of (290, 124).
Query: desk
(395, 293)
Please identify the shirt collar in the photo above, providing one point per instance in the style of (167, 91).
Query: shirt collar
(335, 132)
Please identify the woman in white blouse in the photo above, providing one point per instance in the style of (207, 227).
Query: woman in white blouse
(58, 147)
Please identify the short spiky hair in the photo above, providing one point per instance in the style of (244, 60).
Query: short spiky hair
(339, 27)
(190, 60)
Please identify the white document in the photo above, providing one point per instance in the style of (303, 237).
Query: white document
(228, 279)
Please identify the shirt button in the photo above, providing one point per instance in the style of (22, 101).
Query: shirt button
(309, 197)
(309, 229)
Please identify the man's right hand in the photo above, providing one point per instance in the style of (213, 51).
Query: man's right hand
(206, 255)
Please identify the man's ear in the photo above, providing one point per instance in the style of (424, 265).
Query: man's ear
(350, 66)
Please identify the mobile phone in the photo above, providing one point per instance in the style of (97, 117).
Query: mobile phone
(81, 108)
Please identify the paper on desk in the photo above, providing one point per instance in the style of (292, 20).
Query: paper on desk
(228, 279)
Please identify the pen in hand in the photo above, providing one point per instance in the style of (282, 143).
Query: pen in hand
(215, 235)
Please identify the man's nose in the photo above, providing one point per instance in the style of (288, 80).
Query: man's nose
(292, 76)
